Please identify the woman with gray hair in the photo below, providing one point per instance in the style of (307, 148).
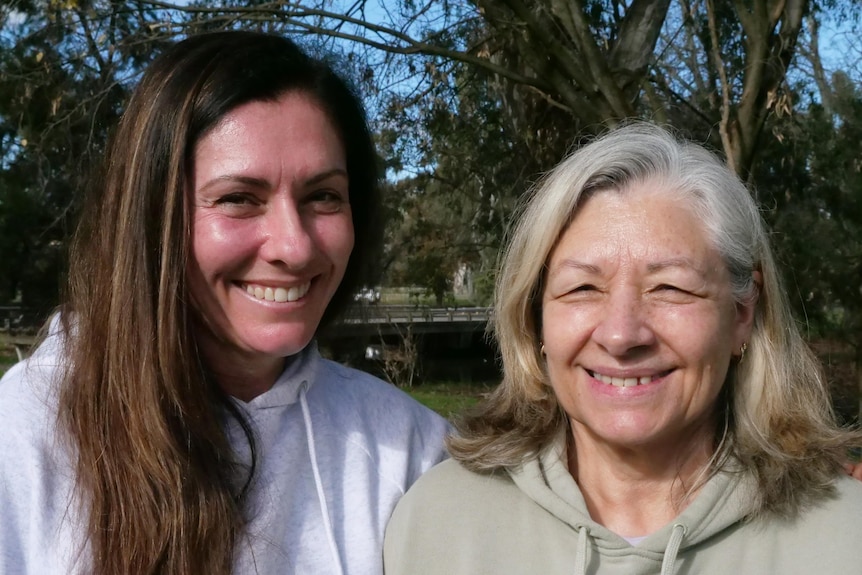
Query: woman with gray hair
(659, 411)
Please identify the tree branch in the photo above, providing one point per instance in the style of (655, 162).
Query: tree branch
(724, 124)
(413, 46)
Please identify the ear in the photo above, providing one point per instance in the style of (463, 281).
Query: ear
(745, 312)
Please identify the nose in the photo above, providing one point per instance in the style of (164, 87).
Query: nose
(624, 324)
(288, 239)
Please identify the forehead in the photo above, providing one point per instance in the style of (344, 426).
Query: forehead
(290, 109)
(292, 133)
(645, 223)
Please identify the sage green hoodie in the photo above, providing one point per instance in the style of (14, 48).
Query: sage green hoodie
(534, 520)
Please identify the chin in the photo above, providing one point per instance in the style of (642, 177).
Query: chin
(279, 344)
(630, 435)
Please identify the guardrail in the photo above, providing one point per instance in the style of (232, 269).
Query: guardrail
(375, 314)
(18, 319)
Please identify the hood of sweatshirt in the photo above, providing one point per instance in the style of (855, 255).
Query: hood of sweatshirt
(292, 386)
(299, 374)
(726, 499)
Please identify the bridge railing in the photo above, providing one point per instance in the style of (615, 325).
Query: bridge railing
(18, 319)
(376, 313)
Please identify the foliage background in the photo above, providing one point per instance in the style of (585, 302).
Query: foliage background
(471, 100)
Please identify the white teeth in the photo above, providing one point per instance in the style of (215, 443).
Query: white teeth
(621, 381)
(278, 294)
(294, 294)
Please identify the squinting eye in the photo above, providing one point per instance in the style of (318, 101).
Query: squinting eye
(668, 287)
(585, 287)
(325, 196)
(234, 199)
(326, 200)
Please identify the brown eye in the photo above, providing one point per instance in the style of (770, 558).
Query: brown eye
(326, 201)
(235, 199)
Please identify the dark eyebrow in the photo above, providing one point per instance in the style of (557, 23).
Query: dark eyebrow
(261, 183)
(325, 176)
(247, 180)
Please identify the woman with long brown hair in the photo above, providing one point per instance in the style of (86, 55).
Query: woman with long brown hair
(178, 417)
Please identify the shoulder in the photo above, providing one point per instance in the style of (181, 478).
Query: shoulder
(29, 390)
(354, 393)
(832, 521)
(37, 376)
(31, 450)
(452, 477)
(840, 511)
(29, 407)
(401, 436)
(824, 537)
(36, 466)
(449, 490)
(453, 520)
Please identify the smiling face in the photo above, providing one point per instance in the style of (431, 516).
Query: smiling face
(638, 321)
(271, 232)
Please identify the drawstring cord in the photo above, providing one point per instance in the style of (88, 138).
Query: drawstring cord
(318, 483)
(581, 557)
(667, 564)
(672, 549)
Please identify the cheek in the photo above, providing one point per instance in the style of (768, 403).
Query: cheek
(218, 242)
(335, 237)
(703, 331)
(567, 384)
(565, 328)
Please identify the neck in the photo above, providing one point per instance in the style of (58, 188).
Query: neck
(241, 376)
(248, 382)
(634, 491)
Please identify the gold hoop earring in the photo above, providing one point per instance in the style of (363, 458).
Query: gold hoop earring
(742, 351)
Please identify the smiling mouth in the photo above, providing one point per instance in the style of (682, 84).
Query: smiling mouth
(626, 381)
(277, 294)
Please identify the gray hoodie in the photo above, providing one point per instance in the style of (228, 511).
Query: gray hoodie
(337, 448)
(534, 520)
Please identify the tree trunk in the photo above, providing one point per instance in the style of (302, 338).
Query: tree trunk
(769, 50)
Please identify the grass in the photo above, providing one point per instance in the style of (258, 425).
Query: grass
(7, 361)
(8, 357)
(448, 398)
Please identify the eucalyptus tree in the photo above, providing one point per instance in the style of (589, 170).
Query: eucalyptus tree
(471, 99)
(65, 68)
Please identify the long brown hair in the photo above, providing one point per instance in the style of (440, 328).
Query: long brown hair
(156, 474)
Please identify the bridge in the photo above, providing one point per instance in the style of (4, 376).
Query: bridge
(448, 343)
(361, 325)
(452, 338)
(423, 318)
(376, 319)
